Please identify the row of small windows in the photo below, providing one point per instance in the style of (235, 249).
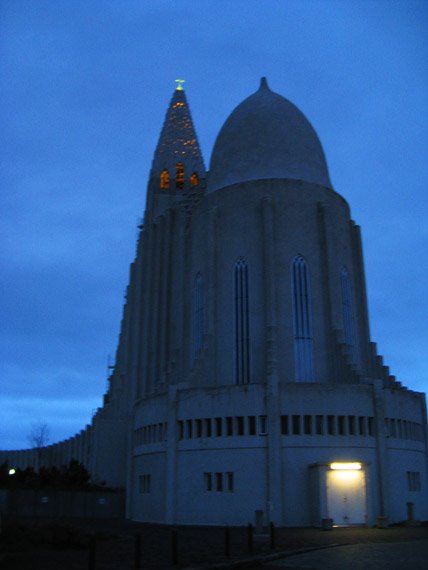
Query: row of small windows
(219, 482)
(294, 424)
(302, 320)
(154, 433)
(414, 481)
(219, 427)
(327, 425)
(403, 429)
(165, 181)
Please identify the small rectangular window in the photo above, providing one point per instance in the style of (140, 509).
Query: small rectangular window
(149, 434)
(252, 425)
(330, 425)
(218, 427)
(263, 427)
(165, 431)
(351, 425)
(362, 425)
(230, 482)
(144, 484)
(180, 429)
(229, 426)
(341, 425)
(207, 427)
(219, 481)
(307, 421)
(154, 433)
(393, 429)
(208, 481)
(284, 425)
(189, 429)
(414, 481)
(160, 432)
(319, 425)
(240, 425)
(370, 425)
(296, 425)
(399, 429)
(198, 427)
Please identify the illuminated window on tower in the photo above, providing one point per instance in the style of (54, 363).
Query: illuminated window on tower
(194, 179)
(164, 179)
(179, 176)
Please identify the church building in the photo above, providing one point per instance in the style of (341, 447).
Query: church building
(246, 386)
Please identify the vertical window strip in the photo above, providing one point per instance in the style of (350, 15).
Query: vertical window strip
(348, 313)
(242, 323)
(302, 321)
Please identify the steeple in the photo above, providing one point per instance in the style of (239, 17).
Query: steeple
(177, 163)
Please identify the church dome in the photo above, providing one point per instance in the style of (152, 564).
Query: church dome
(266, 136)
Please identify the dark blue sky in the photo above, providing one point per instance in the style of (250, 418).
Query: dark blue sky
(84, 89)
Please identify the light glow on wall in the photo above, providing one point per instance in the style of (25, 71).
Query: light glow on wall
(345, 466)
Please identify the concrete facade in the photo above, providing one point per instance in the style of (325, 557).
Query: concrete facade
(245, 371)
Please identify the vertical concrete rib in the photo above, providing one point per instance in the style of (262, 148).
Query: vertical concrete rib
(163, 297)
(211, 305)
(274, 495)
(177, 297)
(360, 288)
(156, 299)
(143, 347)
(330, 345)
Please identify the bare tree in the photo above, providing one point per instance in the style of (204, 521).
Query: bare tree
(39, 435)
(38, 439)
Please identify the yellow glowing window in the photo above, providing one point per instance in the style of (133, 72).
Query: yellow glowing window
(345, 466)
(179, 176)
(194, 179)
(164, 179)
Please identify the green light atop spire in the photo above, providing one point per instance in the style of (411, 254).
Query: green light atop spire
(179, 84)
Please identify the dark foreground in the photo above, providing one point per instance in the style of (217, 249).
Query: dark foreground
(112, 545)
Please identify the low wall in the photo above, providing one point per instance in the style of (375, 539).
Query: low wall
(94, 504)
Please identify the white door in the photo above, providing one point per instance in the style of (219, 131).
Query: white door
(346, 497)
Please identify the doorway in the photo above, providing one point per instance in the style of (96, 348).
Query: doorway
(346, 496)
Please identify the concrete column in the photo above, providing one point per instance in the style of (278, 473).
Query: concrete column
(274, 496)
(142, 351)
(210, 316)
(163, 311)
(362, 316)
(177, 295)
(171, 458)
(381, 449)
(151, 307)
(325, 268)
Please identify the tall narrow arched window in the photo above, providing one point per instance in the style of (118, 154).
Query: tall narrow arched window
(179, 176)
(164, 179)
(348, 313)
(302, 321)
(198, 316)
(242, 323)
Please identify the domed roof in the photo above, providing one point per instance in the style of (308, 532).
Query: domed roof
(266, 136)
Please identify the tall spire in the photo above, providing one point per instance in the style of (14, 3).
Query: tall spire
(178, 156)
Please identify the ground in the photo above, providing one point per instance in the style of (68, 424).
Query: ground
(49, 544)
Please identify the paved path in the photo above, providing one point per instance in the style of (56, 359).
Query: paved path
(412, 555)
